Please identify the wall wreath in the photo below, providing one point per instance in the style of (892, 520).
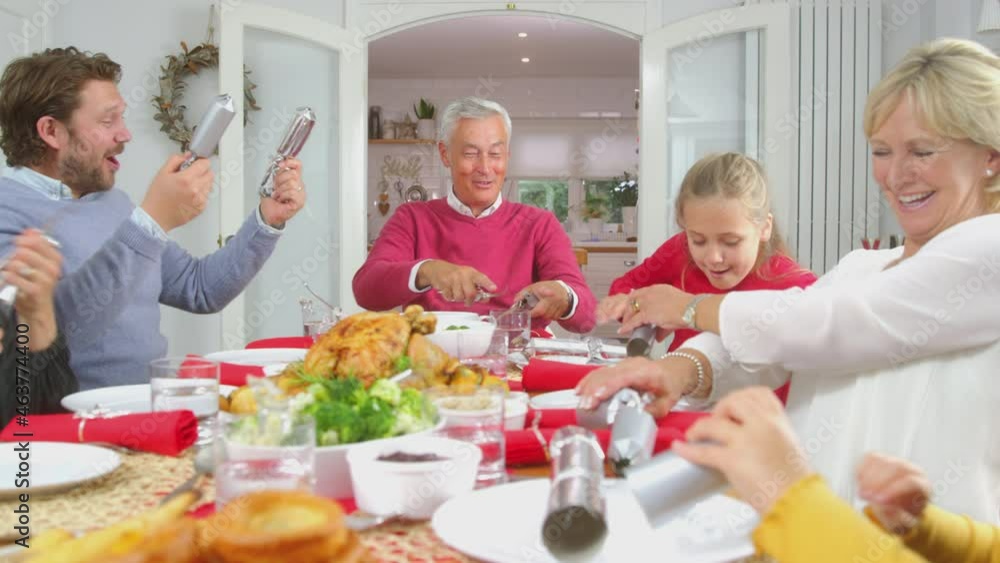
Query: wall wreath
(179, 67)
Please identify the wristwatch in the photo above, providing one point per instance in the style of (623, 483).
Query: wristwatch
(688, 317)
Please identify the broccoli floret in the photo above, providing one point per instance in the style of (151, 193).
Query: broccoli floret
(386, 390)
(379, 418)
(414, 413)
(339, 418)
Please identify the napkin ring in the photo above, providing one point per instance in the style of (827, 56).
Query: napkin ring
(97, 412)
(538, 434)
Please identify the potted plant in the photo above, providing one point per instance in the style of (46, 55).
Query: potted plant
(594, 208)
(625, 193)
(425, 119)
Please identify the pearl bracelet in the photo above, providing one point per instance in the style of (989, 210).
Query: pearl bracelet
(697, 365)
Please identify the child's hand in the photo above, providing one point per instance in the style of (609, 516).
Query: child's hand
(750, 439)
(896, 490)
(612, 308)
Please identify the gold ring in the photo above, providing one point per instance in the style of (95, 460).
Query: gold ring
(635, 305)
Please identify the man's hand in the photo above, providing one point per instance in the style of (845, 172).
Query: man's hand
(34, 269)
(453, 282)
(896, 490)
(289, 194)
(175, 197)
(553, 300)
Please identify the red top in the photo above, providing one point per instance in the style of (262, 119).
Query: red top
(515, 246)
(671, 264)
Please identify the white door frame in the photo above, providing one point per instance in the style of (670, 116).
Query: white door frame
(352, 70)
(775, 149)
(372, 19)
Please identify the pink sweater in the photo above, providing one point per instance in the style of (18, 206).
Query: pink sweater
(515, 246)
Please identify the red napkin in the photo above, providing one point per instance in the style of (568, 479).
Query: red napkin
(282, 342)
(544, 375)
(165, 432)
(524, 448)
(231, 374)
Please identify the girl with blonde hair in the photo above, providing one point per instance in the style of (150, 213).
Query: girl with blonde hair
(728, 242)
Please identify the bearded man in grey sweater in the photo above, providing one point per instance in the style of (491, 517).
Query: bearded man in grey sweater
(63, 129)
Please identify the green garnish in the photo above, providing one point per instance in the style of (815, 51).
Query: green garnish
(457, 327)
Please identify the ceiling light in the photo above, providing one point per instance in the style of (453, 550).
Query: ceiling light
(522, 34)
(525, 60)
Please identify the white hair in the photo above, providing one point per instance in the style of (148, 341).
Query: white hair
(470, 107)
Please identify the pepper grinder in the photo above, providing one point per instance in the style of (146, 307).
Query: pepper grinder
(574, 528)
(375, 122)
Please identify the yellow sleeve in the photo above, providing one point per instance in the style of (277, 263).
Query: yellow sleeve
(945, 536)
(810, 523)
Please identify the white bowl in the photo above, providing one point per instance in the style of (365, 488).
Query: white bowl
(412, 489)
(475, 339)
(515, 410)
(333, 476)
(456, 318)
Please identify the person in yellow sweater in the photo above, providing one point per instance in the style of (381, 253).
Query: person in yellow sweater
(749, 438)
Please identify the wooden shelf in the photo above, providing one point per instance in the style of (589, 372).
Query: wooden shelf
(402, 142)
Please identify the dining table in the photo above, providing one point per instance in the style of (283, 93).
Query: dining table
(143, 479)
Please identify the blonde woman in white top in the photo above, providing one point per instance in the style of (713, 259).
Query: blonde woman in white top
(894, 350)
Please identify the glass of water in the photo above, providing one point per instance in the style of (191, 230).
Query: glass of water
(484, 348)
(515, 325)
(186, 384)
(271, 450)
(475, 415)
(316, 318)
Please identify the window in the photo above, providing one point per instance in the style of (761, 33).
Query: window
(602, 189)
(546, 194)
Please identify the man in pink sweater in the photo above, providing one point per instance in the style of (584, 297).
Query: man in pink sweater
(442, 253)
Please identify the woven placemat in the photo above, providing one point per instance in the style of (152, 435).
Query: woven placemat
(134, 487)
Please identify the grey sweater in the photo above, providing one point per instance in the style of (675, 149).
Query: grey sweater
(115, 274)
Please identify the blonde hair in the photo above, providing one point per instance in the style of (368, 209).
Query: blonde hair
(954, 86)
(733, 176)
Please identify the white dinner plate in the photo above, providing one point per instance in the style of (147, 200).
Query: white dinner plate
(126, 398)
(55, 466)
(568, 399)
(504, 524)
(273, 360)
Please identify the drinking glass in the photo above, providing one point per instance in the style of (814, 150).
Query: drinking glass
(186, 383)
(316, 318)
(515, 325)
(475, 415)
(271, 450)
(487, 349)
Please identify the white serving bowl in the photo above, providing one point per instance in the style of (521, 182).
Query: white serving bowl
(457, 318)
(333, 476)
(475, 339)
(412, 489)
